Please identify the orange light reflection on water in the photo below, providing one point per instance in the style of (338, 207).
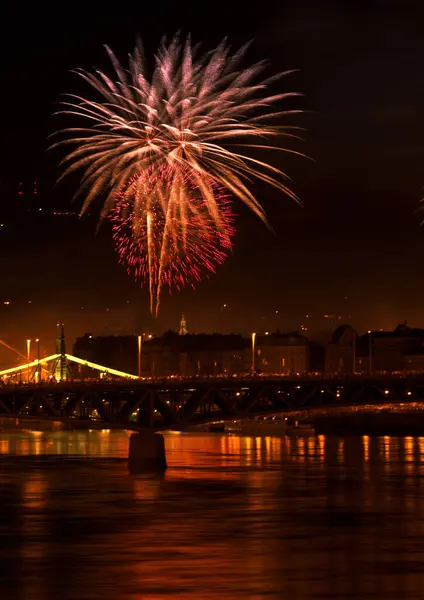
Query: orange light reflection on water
(211, 526)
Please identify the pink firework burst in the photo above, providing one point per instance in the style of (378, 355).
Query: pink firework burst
(170, 240)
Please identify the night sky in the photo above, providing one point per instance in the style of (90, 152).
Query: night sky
(355, 249)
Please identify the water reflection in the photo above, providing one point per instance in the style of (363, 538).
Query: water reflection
(233, 517)
(80, 443)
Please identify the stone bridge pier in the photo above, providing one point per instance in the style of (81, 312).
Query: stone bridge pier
(146, 452)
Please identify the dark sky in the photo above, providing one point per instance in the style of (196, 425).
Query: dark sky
(361, 70)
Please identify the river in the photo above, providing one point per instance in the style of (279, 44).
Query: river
(233, 517)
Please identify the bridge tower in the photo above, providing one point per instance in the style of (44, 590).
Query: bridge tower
(61, 367)
(183, 326)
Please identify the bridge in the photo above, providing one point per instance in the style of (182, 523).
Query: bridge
(56, 367)
(180, 403)
(148, 407)
(44, 390)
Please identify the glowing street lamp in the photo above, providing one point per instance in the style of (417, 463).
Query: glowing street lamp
(253, 352)
(139, 355)
(28, 357)
(38, 361)
(370, 350)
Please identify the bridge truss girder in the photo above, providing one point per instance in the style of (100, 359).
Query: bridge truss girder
(178, 405)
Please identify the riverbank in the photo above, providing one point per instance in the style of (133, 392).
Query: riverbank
(372, 423)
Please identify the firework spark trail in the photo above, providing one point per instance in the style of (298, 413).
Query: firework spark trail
(164, 253)
(150, 254)
(186, 123)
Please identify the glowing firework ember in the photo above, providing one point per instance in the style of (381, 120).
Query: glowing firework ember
(164, 250)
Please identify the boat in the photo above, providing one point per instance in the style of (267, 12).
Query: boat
(272, 425)
(301, 429)
(216, 427)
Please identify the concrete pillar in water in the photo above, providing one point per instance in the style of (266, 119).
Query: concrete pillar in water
(147, 452)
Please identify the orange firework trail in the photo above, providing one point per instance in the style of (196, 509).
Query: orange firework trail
(186, 121)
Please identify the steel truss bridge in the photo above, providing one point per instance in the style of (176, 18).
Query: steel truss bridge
(177, 404)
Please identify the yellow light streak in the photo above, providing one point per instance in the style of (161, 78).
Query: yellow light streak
(92, 365)
(34, 363)
(71, 358)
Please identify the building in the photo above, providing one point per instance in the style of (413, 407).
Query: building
(162, 356)
(192, 355)
(389, 351)
(115, 351)
(340, 356)
(399, 350)
(286, 354)
(216, 354)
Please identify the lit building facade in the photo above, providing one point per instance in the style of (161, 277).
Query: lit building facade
(192, 355)
(286, 354)
(400, 350)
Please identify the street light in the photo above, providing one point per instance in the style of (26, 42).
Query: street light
(139, 355)
(370, 350)
(253, 352)
(28, 357)
(38, 361)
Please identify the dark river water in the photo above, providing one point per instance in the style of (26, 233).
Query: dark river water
(233, 517)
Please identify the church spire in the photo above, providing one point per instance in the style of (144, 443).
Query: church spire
(183, 326)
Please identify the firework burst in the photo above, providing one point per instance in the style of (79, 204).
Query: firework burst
(188, 115)
(163, 250)
(179, 134)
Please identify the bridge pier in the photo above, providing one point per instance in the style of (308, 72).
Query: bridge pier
(146, 452)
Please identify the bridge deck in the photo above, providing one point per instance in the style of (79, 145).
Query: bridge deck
(178, 403)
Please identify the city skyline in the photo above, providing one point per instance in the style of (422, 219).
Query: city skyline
(264, 435)
(20, 351)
